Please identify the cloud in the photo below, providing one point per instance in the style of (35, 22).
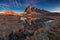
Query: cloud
(26, 3)
(56, 9)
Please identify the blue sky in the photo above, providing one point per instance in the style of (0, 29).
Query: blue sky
(20, 5)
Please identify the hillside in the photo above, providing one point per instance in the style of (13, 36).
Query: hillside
(33, 18)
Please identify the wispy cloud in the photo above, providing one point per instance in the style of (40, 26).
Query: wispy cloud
(56, 9)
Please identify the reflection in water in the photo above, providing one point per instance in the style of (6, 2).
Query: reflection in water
(25, 22)
(37, 24)
(42, 35)
(49, 21)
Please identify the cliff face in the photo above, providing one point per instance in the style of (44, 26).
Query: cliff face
(35, 13)
(33, 9)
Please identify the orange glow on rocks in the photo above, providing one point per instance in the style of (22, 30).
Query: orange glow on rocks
(9, 13)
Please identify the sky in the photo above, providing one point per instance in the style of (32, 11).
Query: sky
(20, 5)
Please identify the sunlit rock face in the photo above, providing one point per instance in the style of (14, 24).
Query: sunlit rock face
(34, 12)
(40, 12)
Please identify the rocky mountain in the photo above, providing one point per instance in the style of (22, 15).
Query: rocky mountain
(11, 21)
(54, 33)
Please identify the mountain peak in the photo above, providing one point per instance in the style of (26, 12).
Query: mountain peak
(30, 9)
